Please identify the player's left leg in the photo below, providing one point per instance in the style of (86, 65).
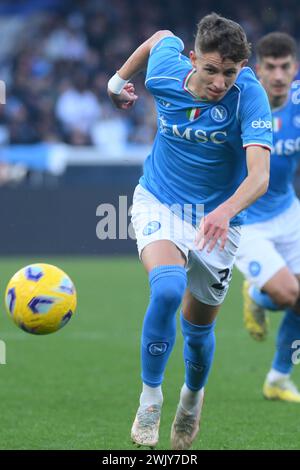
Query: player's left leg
(197, 326)
(278, 385)
(209, 275)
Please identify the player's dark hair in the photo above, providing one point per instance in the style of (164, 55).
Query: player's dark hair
(218, 34)
(276, 45)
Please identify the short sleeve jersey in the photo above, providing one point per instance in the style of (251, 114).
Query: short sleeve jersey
(284, 161)
(198, 156)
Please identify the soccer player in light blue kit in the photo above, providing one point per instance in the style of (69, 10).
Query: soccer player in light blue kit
(212, 148)
(269, 253)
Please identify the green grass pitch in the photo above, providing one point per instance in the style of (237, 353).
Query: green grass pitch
(79, 388)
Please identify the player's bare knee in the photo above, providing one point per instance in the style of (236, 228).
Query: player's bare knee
(286, 296)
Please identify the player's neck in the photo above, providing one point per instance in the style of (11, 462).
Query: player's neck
(277, 101)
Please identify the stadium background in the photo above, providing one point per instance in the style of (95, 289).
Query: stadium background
(64, 151)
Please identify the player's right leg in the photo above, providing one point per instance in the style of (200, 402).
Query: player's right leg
(255, 317)
(258, 260)
(279, 292)
(164, 262)
(167, 278)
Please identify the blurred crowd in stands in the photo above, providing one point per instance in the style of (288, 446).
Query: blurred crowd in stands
(57, 56)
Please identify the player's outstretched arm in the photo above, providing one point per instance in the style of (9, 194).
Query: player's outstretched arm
(120, 91)
(215, 225)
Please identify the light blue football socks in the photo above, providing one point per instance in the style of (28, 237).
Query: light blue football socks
(263, 299)
(288, 332)
(167, 284)
(199, 347)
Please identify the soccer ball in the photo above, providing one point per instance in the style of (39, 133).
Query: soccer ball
(40, 298)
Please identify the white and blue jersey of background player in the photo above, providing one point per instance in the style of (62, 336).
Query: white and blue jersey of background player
(198, 156)
(273, 220)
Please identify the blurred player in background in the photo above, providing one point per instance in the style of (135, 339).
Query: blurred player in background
(269, 253)
(208, 150)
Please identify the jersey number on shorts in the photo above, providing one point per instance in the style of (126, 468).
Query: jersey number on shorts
(225, 276)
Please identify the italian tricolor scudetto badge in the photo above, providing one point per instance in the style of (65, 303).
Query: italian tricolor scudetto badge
(193, 113)
(277, 124)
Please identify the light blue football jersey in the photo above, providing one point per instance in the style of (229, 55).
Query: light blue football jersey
(198, 156)
(284, 159)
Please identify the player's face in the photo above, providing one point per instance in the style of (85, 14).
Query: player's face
(276, 75)
(214, 75)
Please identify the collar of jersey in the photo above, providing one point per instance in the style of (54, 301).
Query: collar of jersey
(186, 88)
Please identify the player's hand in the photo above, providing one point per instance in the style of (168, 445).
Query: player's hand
(126, 99)
(213, 227)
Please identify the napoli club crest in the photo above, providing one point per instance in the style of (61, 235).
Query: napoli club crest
(218, 113)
